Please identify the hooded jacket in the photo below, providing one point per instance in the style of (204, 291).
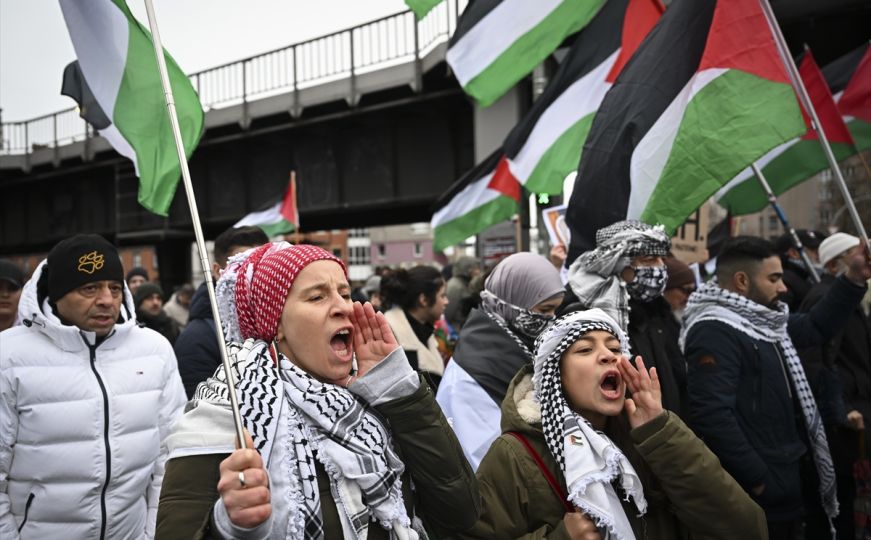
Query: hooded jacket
(693, 496)
(82, 424)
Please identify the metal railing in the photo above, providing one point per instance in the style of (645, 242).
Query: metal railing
(378, 44)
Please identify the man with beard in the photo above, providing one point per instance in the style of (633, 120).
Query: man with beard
(749, 398)
(148, 299)
(625, 277)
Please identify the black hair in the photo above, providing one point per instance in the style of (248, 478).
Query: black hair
(742, 254)
(403, 287)
(237, 236)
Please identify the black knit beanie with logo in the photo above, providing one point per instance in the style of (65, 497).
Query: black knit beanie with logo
(81, 259)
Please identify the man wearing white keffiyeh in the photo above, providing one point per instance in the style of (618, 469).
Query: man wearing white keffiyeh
(337, 419)
(749, 398)
(573, 441)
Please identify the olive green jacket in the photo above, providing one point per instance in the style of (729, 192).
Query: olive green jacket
(445, 492)
(693, 497)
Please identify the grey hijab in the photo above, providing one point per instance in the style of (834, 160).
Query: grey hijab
(519, 282)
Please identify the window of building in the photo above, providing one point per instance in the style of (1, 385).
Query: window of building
(137, 259)
(382, 251)
(337, 252)
(418, 250)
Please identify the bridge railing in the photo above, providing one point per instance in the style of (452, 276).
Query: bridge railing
(378, 44)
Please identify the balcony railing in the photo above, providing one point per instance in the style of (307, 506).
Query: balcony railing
(382, 43)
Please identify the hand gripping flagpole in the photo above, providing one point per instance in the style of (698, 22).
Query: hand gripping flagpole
(195, 218)
(800, 90)
(772, 199)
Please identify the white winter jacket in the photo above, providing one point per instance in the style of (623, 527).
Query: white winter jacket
(82, 427)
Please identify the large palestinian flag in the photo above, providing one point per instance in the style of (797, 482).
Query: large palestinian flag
(116, 57)
(797, 160)
(498, 42)
(546, 145)
(476, 201)
(704, 95)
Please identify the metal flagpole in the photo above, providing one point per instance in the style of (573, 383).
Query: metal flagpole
(772, 199)
(195, 218)
(800, 90)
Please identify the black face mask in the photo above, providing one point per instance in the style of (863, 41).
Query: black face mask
(648, 284)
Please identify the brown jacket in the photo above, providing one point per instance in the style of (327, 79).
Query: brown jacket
(689, 494)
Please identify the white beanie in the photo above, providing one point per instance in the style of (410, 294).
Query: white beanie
(835, 245)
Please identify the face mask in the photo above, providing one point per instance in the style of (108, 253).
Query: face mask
(531, 324)
(648, 284)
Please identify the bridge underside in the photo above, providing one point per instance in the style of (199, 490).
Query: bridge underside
(383, 162)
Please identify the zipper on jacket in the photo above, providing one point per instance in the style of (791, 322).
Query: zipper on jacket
(93, 352)
(783, 369)
(26, 510)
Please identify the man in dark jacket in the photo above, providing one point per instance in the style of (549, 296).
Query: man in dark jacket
(749, 398)
(148, 300)
(796, 275)
(197, 346)
(840, 371)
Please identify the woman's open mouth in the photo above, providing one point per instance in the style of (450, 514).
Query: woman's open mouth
(340, 343)
(610, 385)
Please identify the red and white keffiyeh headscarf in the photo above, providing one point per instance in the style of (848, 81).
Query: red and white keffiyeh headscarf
(254, 286)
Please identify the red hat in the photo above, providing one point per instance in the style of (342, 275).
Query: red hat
(262, 281)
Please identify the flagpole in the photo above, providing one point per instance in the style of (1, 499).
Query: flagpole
(772, 199)
(195, 218)
(801, 91)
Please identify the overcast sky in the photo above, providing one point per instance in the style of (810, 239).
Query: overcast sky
(35, 46)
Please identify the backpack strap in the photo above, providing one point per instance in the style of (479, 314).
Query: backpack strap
(554, 485)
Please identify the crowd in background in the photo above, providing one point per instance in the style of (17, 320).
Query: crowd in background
(738, 410)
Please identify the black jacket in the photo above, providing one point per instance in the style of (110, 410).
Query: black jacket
(797, 281)
(196, 348)
(741, 403)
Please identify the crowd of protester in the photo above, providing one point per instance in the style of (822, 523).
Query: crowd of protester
(619, 395)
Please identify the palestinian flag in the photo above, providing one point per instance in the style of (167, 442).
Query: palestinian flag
(276, 218)
(421, 7)
(797, 160)
(116, 57)
(498, 42)
(483, 197)
(546, 145)
(704, 95)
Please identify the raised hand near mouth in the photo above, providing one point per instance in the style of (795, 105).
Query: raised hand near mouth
(646, 401)
(373, 338)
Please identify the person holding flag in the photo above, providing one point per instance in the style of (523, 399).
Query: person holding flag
(346, 440)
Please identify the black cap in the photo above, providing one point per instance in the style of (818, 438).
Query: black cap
(144, 291)
(10, 272)
(81, 259)
(809, 239)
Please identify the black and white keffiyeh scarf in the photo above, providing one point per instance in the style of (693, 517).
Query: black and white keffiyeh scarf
(326, 423)
(589, 460)
(713, 303)
(594, 276)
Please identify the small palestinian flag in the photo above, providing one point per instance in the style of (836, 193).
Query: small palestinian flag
(498, 42)
(704, 95)
(797, 160)
(483, 197)
(276, 218)
(546, 145)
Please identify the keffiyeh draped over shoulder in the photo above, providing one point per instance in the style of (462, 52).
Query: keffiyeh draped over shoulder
(594, 276)
(590, 461)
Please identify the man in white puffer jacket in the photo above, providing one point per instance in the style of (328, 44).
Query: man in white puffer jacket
(87, 398)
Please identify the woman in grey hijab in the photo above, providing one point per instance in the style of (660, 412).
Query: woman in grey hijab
(519, 299)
